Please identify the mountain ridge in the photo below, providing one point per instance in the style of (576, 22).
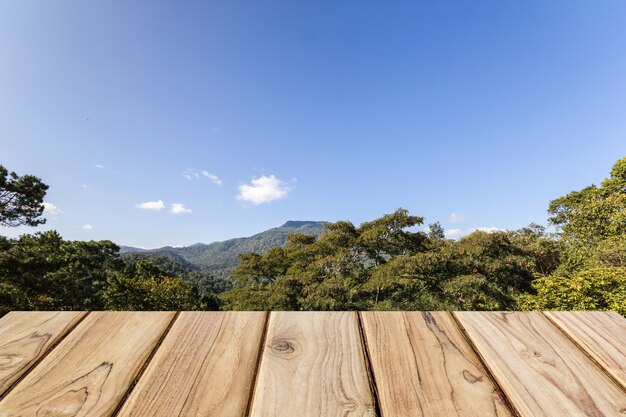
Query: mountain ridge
(221, 256)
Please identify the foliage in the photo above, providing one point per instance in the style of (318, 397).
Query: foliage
(176, 266)
(436, 232)
(592, 269)
(594, 213)
(544, 248)
(482, 271)
(602, 288)
(383, 264)
(45, 272)
(144, 286)
(219, 258)
(21, 199)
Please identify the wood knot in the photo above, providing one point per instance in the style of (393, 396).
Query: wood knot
(9, 360)
(471, 378)
(282, 346)
(68, 404)
(350, 405)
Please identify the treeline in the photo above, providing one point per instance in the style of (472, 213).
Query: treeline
(382, 264)
(45, 272)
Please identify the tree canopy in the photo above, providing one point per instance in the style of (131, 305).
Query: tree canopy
(595, 213)
(45, 272)
(592, 270)
(21, 199)
(383, 264)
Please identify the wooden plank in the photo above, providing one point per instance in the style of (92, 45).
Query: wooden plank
(25, 336)
(313, 365)
(89, 372)
(540, 370)
(424, 367)
(204, 367)
(601, 334)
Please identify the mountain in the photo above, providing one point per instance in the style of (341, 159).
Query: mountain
(129, 249)
(221, 257)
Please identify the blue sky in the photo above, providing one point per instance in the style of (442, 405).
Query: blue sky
(306, 110)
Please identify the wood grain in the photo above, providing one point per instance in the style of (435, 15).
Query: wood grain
(204, 367)
(601, 334)
(89, 372)
(541, 371)
(423, 367)
(313, 365)
(25, 336)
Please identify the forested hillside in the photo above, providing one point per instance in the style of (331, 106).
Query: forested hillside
(380, 264)
(219, 258)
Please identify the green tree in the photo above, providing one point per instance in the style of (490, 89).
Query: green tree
(482, 271)
(21, 199)
(436, 232)
(45, 272)
(144, 286)
(253, 297)
(262, 268)
(594, 213)
(388, 236)
(329, 272)
(591, 272)
(544, 248)
(602, 288)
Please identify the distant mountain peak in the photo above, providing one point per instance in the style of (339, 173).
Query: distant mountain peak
(221, 257)
(299, 223)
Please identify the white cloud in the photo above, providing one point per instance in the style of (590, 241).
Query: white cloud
(99, 166)
(456, 218)
(453, 233)
(87, 227)
(151, 205)
(192, 174)
(489, 229)
(456, 233)
(263, 190)
(178, 208)
(212, 177)
(51, 208)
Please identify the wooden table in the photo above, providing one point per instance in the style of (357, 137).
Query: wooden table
(301, 364)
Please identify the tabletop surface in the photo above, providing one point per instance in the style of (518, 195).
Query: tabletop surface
(297, 364)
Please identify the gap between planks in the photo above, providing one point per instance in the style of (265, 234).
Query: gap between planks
(559, 329)
(584, 350)
(425, 392)
(145, 365)
(483, 362)
(368, 366)
(249, 399)
(44, 355)
(257, 367)
(540, 371)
